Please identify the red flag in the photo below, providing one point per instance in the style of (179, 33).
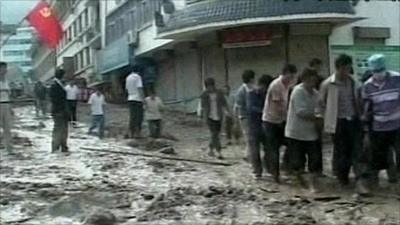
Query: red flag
(46, 23)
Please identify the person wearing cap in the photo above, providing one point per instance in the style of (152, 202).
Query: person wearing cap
(340, 108)
(381, 101)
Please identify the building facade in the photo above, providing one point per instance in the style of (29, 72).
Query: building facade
(76, 53)
(16, 50)
(178, 43)
(376, 32)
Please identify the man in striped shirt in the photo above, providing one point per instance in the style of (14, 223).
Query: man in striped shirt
(381, 95)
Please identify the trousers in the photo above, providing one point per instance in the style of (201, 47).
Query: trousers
(60, 132)
(154, 128)
(6, 124)
(98, 121)
(135, 117)
(215, 129)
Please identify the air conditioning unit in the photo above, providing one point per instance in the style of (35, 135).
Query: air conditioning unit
(132, 37)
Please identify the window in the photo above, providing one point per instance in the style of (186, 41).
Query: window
(88, 57)
(18, 41)
(13, 53)
(113, 30)
(81, 60)
(121, 26)
(69, 34)
(79, 21)
(76, 62)
(132, 19)
(75, 29)
(86, 15)
(25, 64)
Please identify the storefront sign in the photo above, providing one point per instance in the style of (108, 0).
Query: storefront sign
(361, 54)
(246, 37)
(114, 56)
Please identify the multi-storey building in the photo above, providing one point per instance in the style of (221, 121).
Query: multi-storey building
(76, 53)
(6, 31)
(16, 51)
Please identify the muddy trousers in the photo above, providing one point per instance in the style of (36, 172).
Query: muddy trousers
(256, 141)
(274, 134)
(6, 124)
(215, 129)
(244, 126)
(135, 117)
(347, 149)
(231, 129)
(301, 152)
(154, 128)
(41, 107)
(382, 147)
(60, 132)
(98, 121)
(72, 105)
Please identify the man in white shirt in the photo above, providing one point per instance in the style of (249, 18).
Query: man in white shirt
(274, 117)
(5, 107)
(97, 102)
(72, 100)
(134, 87)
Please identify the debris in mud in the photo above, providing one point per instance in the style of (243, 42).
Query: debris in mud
(169, 136)
(101, 217)
(168, 151)
(150, 144)
(22, 141)
(147, 197)
(40, 125)
(217, 200)
(163, 207)
(157, 144)
(110, 165)
(4, 201)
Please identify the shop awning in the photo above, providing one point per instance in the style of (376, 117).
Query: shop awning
(219, 14)
(114, 56)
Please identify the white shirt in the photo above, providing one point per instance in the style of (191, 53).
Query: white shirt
(4, 91)
(213, 107)
(97, 102)
(133, 83)
(276, 102)
(302, 104)
(153, 108)
(72, 92)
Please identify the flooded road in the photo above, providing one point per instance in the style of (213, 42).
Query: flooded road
(94, 188)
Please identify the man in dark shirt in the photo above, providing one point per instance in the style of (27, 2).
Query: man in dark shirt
(255, 104)
(58, 98)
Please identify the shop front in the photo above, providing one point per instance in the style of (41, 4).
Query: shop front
(114, 66)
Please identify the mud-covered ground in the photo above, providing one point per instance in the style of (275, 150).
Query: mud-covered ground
(91, 187)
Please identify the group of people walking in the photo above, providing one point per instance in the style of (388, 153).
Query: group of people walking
(295, 110)
(292, 111)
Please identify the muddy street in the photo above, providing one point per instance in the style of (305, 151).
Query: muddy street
(94, 185)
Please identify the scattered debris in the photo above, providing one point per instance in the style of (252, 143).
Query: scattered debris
(101, 217)
(168, 151)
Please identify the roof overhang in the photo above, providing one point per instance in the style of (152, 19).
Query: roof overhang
(335, 19)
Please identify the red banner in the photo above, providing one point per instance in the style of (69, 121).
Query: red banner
(247, 37)
(46, 23)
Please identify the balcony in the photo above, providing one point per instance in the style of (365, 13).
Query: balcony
(203, 16)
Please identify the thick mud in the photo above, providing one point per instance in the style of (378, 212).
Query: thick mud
(98, 188)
